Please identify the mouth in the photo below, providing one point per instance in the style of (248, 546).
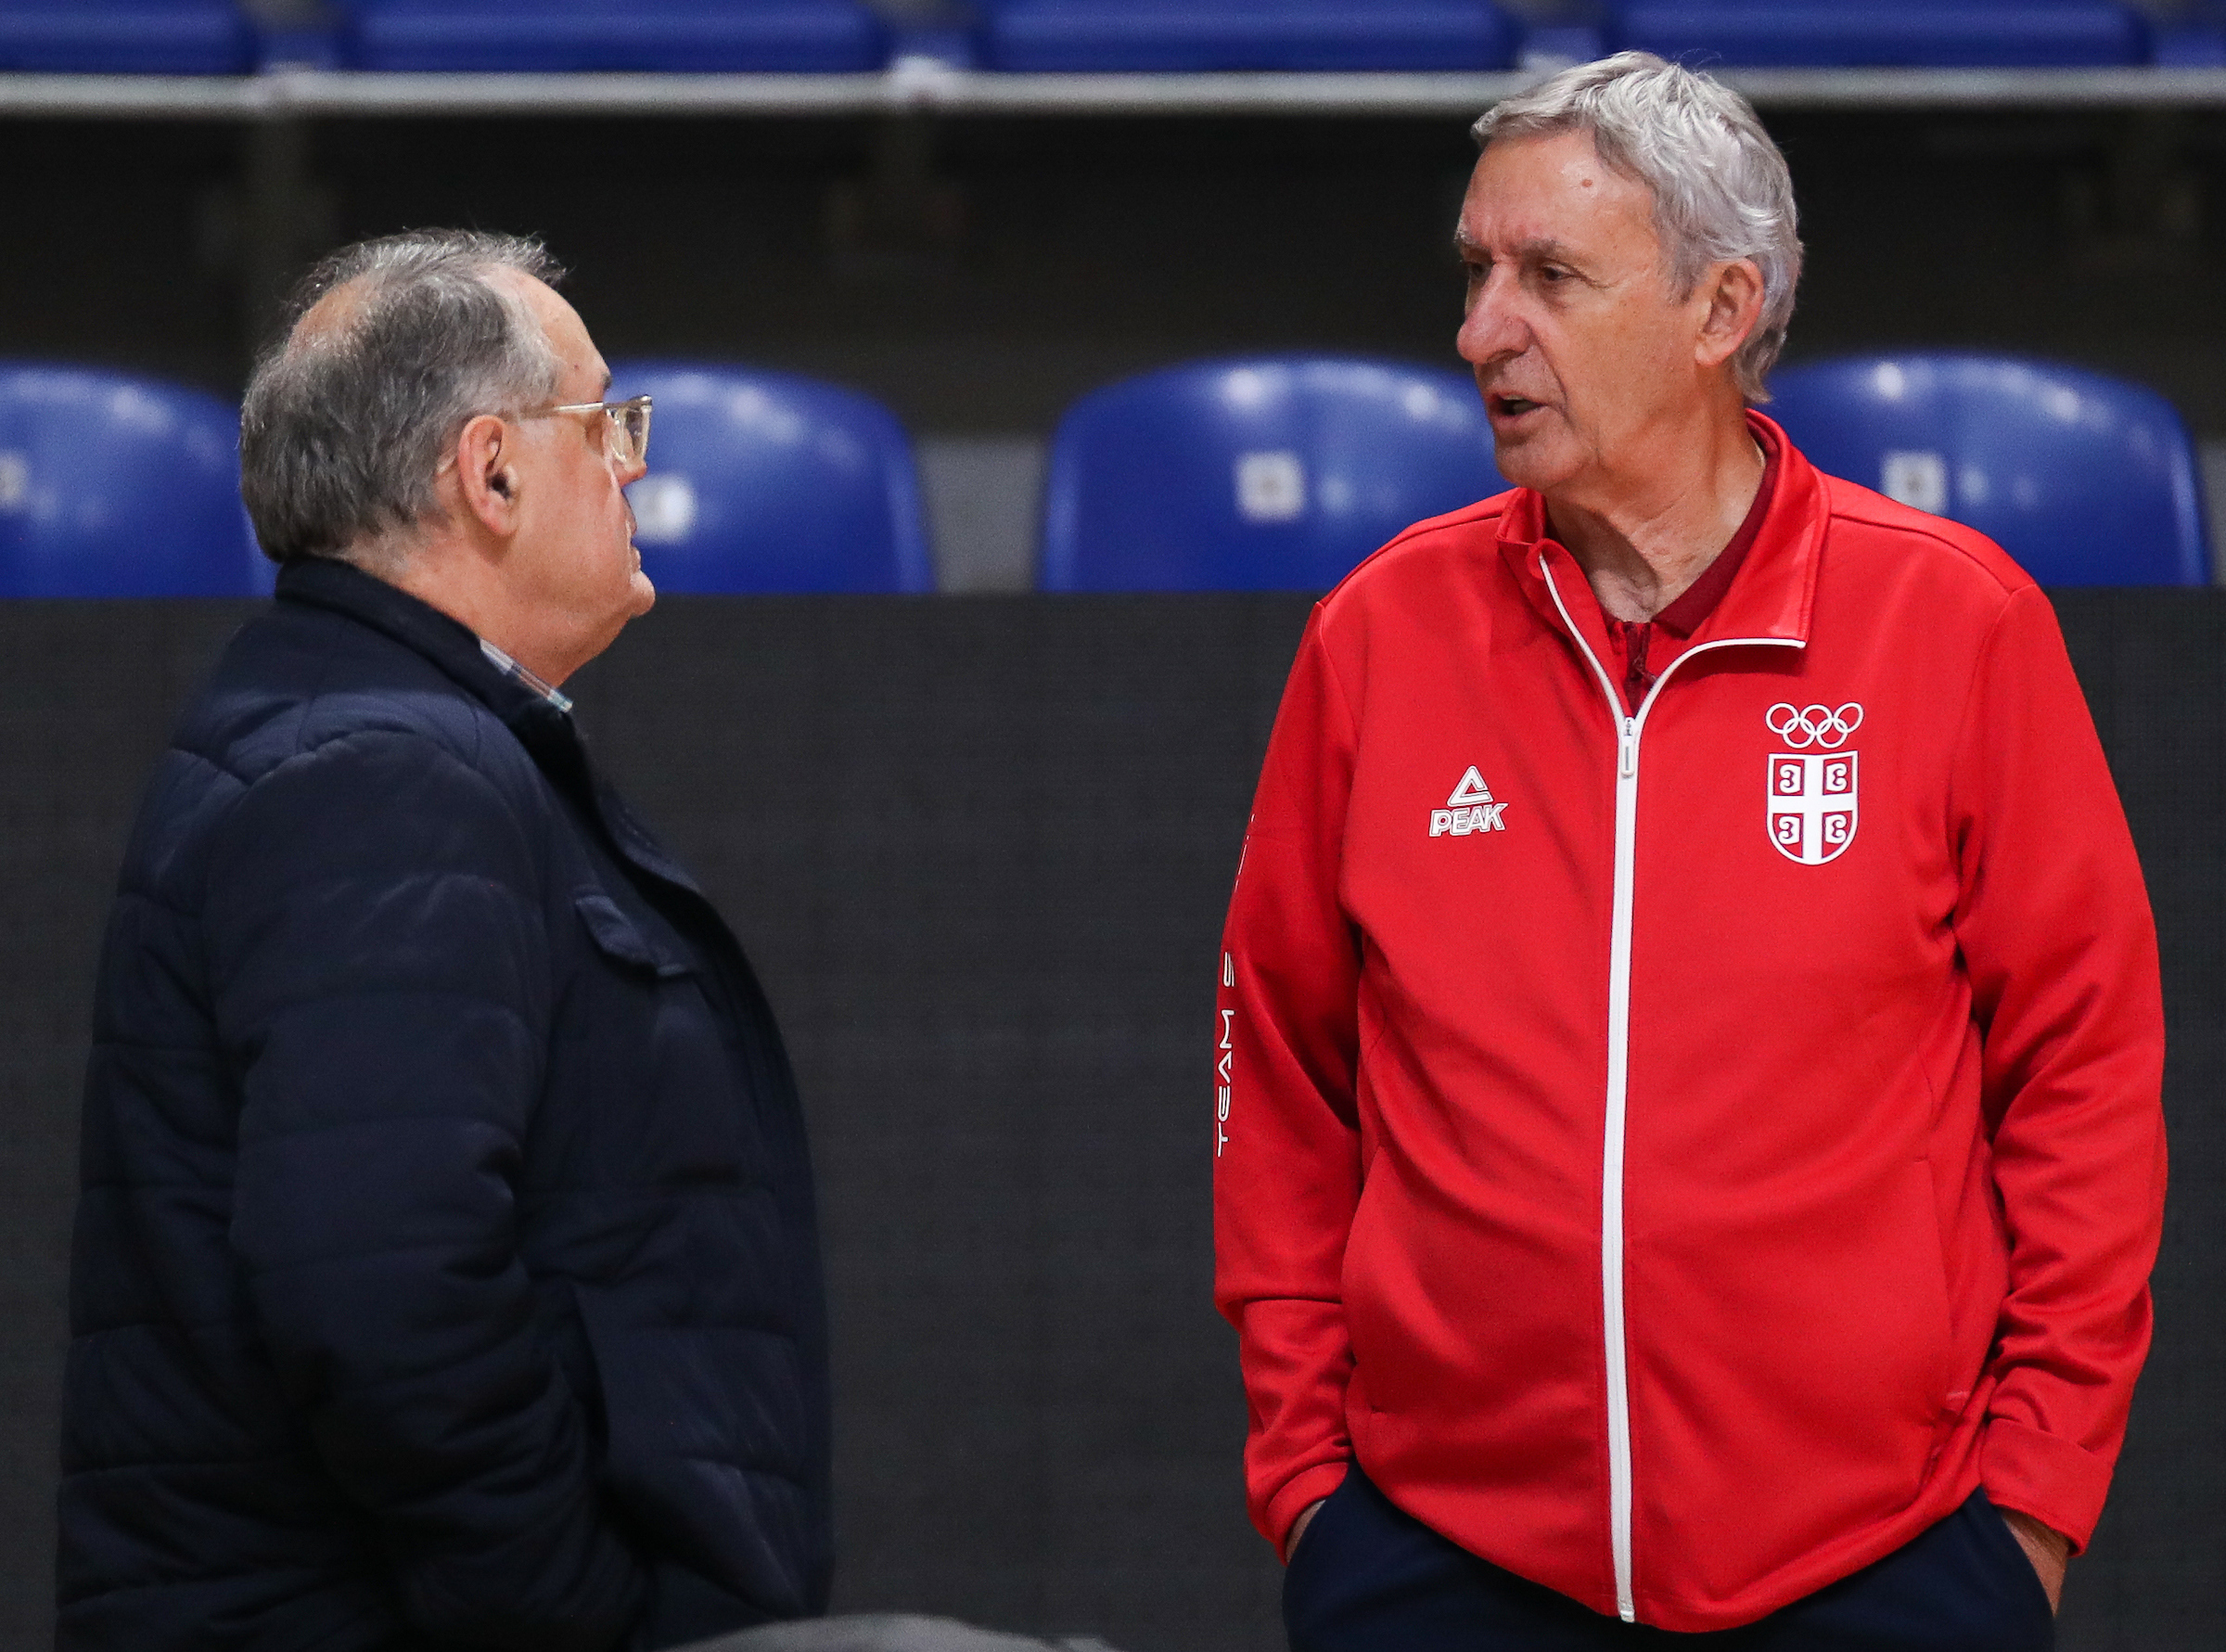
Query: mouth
(1509, 409)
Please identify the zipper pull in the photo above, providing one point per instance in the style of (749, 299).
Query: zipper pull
(1629, 747)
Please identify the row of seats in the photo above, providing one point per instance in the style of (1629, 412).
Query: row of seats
(230, 36)
(1278, 473)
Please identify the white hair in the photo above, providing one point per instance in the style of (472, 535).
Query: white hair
(1721, 188)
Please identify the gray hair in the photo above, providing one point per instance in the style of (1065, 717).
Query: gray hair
(343, 430)
(1721, 187)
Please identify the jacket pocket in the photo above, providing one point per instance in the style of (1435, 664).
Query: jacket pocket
(1798, 1341)
(1863, 1324)
(620, 938)
(668, 1108)
(705, 1446)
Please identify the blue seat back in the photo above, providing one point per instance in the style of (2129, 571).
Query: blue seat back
(1256, 474)
(2191, 37)
(116, 486)
(1882, 33)
(769, 482)
(2085, 481)
(125, 37)
(559, 36)
(1186, 36)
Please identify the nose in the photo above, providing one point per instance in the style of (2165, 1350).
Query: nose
(1493, 329)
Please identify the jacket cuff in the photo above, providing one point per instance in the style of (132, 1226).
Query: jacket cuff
(1303, 1489)
(2044, 1475)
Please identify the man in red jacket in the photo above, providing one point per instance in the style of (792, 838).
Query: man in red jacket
(1688, 1150)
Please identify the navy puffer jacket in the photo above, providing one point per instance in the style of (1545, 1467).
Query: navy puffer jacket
(445, 1270)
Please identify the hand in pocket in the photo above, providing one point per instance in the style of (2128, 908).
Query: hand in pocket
(2049, 1550)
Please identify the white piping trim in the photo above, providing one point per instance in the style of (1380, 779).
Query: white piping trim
(1629, 730)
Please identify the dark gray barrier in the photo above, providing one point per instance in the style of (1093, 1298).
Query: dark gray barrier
(980, 848)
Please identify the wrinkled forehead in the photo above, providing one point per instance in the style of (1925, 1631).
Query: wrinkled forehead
(1556, 189)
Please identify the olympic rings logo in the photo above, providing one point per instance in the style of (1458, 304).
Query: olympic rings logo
(1813, 725)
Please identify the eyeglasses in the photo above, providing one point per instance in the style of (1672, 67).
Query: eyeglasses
(629, 436)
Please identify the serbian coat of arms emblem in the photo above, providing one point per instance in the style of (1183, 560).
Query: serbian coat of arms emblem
(1810, 805)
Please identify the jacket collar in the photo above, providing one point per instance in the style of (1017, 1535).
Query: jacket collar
(1771, 598)
(321, 582)
(547, 732)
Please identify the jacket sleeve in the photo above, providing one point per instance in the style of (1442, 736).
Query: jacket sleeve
(2054, 926)
(379, 973)
(1286, 1149)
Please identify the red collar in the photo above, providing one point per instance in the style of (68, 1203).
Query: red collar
(1698, 600)
(1768, 594)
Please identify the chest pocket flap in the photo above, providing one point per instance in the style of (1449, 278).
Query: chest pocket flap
(618, 937)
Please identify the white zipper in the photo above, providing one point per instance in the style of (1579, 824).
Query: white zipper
(1628, 730)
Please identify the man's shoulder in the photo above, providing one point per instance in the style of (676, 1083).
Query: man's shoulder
(1418, 561)
(310, 710)
(298, 681)
(1866, 524)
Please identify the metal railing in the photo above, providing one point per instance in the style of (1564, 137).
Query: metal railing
(926, 86)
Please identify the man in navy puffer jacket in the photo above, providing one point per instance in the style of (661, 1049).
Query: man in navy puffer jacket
(446, 1273)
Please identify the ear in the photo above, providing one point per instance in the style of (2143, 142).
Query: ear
(1735, 305)
(487, 474)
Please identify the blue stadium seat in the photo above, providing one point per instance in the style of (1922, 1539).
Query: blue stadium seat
(1882, 33)
(1263, 475)
(2085, 481)
(2193, 36)
(1185, 35)
(125, 37)
(115, 486)
(768, 483)
(1551, 47)
(555, 36)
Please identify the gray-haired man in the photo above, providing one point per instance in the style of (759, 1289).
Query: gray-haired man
(446, 1273)
(1690, 1033)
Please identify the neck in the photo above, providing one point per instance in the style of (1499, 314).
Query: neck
(1644, 530)
(445, 572)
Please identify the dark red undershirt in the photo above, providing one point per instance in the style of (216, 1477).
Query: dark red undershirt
(1642, 650)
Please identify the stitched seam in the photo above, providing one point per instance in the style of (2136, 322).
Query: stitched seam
(1916, 531)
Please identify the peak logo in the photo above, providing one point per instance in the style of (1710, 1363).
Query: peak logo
(1470, 808)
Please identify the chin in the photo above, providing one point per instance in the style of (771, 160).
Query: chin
(1540, 459)
(1524, 466)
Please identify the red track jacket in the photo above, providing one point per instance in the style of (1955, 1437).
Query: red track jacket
(1681, 1155)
